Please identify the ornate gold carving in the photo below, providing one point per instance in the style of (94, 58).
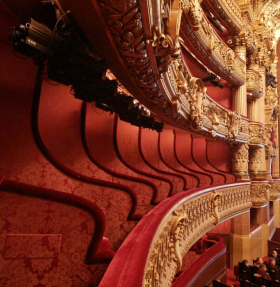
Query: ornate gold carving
(181, 100)
(216, 200)
(256, 61)
(240, 158)
(230, 13)
(254, 85)
(238, 42)
(196, 98)
(166, 43)
(204, 40)
(257, 134)
(185, 225)
(255, 159)
(260, 193)
(274, 189)
(271, 97)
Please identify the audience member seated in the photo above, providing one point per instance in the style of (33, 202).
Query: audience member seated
(274, 254)
(245, 271)
(272, 268)
(262, 271)
(258, 262)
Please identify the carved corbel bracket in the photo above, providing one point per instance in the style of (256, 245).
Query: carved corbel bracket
(271, 97)
(260, 190)
(257, 133)
(177, 230)
(165, 39)
(254, 84)
(196, 95)
(216, 201)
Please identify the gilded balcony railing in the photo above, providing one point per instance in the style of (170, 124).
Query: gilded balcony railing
(257, 133)
(228, 12)
(144, 54)
(204, 43)
(254, 85)
(152, 253)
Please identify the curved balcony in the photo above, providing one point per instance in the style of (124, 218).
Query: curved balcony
(152, 253)
(228, 12)
(257, 134)
(215, 256)
(254, 84)
(149, 64)
(209, 48)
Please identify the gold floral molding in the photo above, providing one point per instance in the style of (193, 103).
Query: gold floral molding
(186, 223)
(257, 133)
(240, 158)
(209, 117)
(260, 193)
(254, 85)
(255, 160)
(274, 189)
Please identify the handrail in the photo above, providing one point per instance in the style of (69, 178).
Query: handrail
(152, 253)
(94, 254)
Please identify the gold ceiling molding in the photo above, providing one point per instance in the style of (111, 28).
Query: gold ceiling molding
(153, 58)
(185, 223)
(254, 84)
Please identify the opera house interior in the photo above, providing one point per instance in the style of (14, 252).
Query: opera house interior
(139, 141)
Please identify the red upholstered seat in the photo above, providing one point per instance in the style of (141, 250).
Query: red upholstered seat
(235, 271)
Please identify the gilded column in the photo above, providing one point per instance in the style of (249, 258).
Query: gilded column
(239, 103)
(239, 161)
(239, 153)
(256, 112)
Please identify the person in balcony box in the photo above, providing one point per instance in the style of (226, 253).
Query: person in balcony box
(274, 254)
(262, 271)
(258, 262)
(272, 269)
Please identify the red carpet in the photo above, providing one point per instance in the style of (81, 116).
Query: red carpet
(231, 279)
